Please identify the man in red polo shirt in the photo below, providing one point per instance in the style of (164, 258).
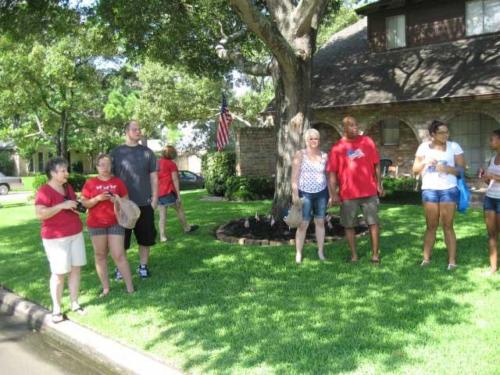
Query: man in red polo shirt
(354, 168)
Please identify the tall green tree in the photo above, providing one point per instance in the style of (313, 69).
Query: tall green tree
(51, 89)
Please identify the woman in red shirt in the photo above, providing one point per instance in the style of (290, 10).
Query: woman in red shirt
(62, 237)
(98, 196)
(169, 191)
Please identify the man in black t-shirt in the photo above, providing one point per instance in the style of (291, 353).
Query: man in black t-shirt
(135, 164)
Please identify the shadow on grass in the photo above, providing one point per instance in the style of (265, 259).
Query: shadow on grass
(227, 308)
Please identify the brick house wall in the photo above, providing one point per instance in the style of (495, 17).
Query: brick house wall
(401, 154)
(255, 152)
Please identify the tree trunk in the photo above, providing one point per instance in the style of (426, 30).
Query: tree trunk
(292, 96)
(63, 136)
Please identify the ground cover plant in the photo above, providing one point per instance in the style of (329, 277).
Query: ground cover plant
(212, 307)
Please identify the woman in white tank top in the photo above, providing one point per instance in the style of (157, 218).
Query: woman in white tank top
(309, 185)
(492, 200)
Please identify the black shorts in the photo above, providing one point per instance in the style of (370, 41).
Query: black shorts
(144, 230)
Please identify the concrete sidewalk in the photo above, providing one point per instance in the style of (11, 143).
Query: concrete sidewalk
(107, 353)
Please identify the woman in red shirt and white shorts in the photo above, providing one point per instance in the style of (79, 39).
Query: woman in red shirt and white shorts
(98, 196)
(55, 205)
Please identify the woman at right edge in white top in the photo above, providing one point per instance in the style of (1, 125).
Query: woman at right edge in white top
(492, 201)
(439, 162)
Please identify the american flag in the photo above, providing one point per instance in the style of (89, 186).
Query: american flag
(225, 120)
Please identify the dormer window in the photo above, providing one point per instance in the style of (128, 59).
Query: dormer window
(395, 31)
(482, 16)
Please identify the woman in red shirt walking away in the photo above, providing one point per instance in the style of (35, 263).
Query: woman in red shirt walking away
(98, 196)
(169, 191)
(62, 237)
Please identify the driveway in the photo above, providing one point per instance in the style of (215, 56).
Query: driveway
(15, 197)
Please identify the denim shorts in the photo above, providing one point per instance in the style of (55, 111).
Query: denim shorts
(440, 196)
(314, 203)
(116, 230)
(491, 204)
(167, 200)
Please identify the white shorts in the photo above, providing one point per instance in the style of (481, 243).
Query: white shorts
(65, 252)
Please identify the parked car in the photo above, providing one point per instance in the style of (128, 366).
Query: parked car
(190, 180)
(6, 183)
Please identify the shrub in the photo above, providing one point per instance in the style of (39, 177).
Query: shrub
(39, 180)
(217, 168)
(401, 190)
(7, 166)
(76, 180)
(399, 184)
(249, 188)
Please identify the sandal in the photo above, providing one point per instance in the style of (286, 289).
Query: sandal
(375, 260)
(57, 318)
(103, 294)
(425, 263)
(352, 260)
(192, 228)
(79, 310)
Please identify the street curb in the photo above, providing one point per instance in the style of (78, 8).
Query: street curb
(110, 354)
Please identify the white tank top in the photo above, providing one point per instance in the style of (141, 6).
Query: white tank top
(494, 186)
(312, 177)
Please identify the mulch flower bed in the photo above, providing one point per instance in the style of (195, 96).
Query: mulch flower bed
(259, 231)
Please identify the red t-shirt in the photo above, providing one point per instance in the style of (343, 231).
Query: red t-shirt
(102, 215)
(354, 163)
(165, 183)
(63, 224)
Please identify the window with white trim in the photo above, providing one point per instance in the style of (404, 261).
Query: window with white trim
(482, 16)
(395, 31)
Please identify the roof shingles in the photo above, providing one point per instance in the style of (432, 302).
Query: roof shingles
(346, 73)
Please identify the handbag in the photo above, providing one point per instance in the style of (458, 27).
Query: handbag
(294, 217)
(463, 194)
(127, 212)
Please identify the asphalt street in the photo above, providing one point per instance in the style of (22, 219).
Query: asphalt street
(24, 351)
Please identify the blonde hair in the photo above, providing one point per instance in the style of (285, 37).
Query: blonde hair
(311, 132)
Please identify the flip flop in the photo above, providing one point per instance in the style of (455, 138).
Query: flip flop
(375, 260)
(103, 294)
(57, 318)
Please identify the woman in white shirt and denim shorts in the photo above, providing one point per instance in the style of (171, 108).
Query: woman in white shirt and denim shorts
(492, 200)
(309, 185)
(439, 162)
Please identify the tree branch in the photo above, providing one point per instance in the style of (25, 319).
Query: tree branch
(241, 119)
(235, 56)
(280, 11)
(248, 67)
(265, 30)
(42, 94)
(306, 15)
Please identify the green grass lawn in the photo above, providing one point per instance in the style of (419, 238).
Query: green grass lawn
(212, 307)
